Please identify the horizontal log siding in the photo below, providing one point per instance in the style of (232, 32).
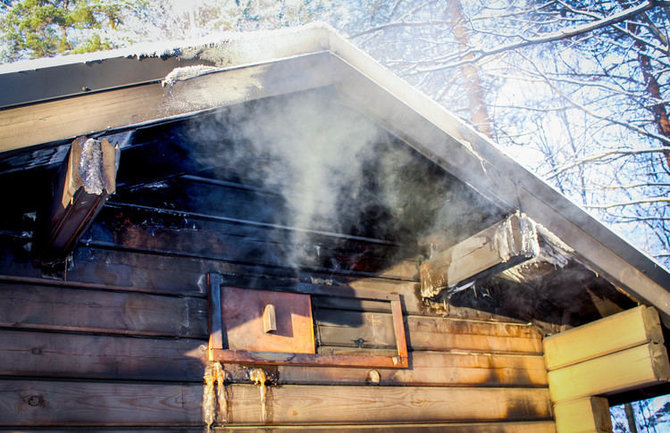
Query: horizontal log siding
(121, 342)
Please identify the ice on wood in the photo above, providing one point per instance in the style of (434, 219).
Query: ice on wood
(95, 169)
(90, 167)
(492, 250)
(186, 73)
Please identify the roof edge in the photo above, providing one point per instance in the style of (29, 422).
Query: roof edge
(38, 80)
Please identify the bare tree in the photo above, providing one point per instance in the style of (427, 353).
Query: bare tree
(576, 90)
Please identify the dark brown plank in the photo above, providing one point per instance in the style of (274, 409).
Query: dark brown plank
(126, 225)
(182, 275)
(100, 357)
(68, 309)
(251, 202)
(53, 403)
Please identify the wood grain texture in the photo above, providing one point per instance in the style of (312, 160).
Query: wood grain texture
(76, 201)
(621, 371)
(44, 403)
(49, 403)
(506, 427)
(42, 354)
(367, 329)
(266, 247)
(148, 272)
(584, 415)
(501, 246)
(623, 330)
(71, 117)
(315, 404)
(114, 357)
(61, 308)
(426, 368)
(499, 427)
(428, 333)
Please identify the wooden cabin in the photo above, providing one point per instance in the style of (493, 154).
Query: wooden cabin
(271, 232)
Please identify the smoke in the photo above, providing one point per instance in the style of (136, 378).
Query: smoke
(336, 171)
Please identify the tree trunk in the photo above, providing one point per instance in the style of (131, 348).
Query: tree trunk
(478, 112)
(652, 86)
(630, 417)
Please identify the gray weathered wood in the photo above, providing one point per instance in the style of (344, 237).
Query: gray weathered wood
(61, 308)
(41, 354)
(499, 247)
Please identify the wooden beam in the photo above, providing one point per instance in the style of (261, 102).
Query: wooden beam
(59, 355)
(584, 415)
(475, 427)
(426, 368)
(132, 106)
(498, 427)
(70, 403)
(608, 335)
(101, 310)
(628, 369)
(499, 247)
(69, 355)
(315, 404)
(354, 329)
(86, 179)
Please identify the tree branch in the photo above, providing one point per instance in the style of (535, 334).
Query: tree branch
(606, 157)
(632, 203)
(476, 55)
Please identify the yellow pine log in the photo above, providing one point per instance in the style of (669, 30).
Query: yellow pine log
(625, 370)
(608, 335)
(584, 415)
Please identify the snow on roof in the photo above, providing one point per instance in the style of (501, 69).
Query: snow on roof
(186, 48)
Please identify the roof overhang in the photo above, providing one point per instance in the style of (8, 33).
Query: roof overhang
(245, 67)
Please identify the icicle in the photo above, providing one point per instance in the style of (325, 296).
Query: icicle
(258, 377)
(221, 392)
(209, 397)
(214, 392)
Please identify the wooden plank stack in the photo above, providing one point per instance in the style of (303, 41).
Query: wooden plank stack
(621, 352)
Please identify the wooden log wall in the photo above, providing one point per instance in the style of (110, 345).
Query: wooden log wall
(119, 340)
(582, 363)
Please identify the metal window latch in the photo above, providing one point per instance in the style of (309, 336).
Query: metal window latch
(269, 319)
